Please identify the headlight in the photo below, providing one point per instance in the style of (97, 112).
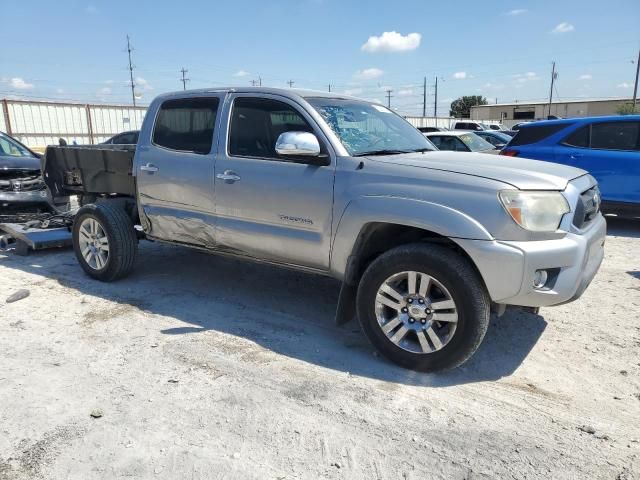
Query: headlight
(535, 211)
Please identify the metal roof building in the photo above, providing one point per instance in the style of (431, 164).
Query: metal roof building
(511, 113)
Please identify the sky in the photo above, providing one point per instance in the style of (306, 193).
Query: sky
(503, 50)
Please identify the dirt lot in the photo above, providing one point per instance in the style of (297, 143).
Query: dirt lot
(203, 367)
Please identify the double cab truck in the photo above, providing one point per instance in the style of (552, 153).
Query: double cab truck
(426, 243)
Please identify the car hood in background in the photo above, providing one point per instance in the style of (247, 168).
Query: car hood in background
(520, 172)
(8, 162)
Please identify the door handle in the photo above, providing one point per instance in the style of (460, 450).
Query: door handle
(229, 176)
(149, 167)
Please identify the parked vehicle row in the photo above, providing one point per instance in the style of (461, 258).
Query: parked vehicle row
(606, 147)
(424, 241)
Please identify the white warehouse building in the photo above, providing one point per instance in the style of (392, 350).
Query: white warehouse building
(512, 113)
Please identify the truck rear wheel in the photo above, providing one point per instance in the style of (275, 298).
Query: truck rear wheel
(104, 241)
(423, 306)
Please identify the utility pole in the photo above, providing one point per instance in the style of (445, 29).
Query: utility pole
(389, 98)
(424, 97)
(133, 85)
(291, 82)
(635, 88)
(435, 101)
(329, 87)
(184, 79)
(254, 83)
(259, 81)
(554, 75)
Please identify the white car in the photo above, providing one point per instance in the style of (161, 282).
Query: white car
(476, 126)
(460, 141)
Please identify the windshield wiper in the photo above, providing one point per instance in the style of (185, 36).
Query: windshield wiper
(422, 150)
(380, 152)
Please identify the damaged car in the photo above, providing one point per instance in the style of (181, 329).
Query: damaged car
(22, 189)
(426, 243)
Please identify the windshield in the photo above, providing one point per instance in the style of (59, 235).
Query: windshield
(475, 143)
(10, 148)
(366, 128)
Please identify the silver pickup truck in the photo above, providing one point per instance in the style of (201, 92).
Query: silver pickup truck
(425, 242)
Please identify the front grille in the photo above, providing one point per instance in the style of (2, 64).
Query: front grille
(587, 208)
(21, 183)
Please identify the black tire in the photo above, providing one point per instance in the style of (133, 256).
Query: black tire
(121, 235)
(457, 275)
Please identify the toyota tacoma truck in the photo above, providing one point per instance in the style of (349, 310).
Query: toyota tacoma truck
(426, 243)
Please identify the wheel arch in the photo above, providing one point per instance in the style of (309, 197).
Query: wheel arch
(370, 226)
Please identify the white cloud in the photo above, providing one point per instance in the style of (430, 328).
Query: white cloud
(368, 74)
(353, 91)
(18, 83)
(104, 91)
(460, 75)
(405, 92)
(91, 10)
(392, 42)
(493, 86)
(142, 84)
(586, 76)
(563, 27)
(624, 85)
(241, 73)
(60, 91)
(525, 77)
(517, 11)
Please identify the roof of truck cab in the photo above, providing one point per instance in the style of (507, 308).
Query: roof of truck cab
(285, 92)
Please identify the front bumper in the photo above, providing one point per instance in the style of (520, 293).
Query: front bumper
(32, 201)
(508, 268)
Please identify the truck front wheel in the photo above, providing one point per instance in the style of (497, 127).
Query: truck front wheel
(104, 241)
(423, 306)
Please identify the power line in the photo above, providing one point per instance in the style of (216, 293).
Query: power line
(184, 79)
(635, 87)
(424, 97)
(435, 100)
(133, 85)
(554, 75)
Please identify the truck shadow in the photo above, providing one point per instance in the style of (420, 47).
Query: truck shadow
(287, 312)
(623, 227)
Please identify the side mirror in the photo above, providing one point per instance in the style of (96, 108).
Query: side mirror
(299, 144)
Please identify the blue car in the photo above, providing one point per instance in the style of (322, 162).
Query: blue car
(607, 147)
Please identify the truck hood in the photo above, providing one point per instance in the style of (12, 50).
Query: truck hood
(521, 173)
(8, 162)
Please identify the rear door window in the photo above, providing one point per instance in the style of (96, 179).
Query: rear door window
(186, 124)
(615, 135)
(579, 138)
(534, 134)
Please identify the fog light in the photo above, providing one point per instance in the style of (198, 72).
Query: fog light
(540, 278)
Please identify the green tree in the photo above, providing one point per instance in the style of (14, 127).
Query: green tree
(627, 109)
(461, 107)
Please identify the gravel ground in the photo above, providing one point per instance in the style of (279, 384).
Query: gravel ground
(203, 367)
